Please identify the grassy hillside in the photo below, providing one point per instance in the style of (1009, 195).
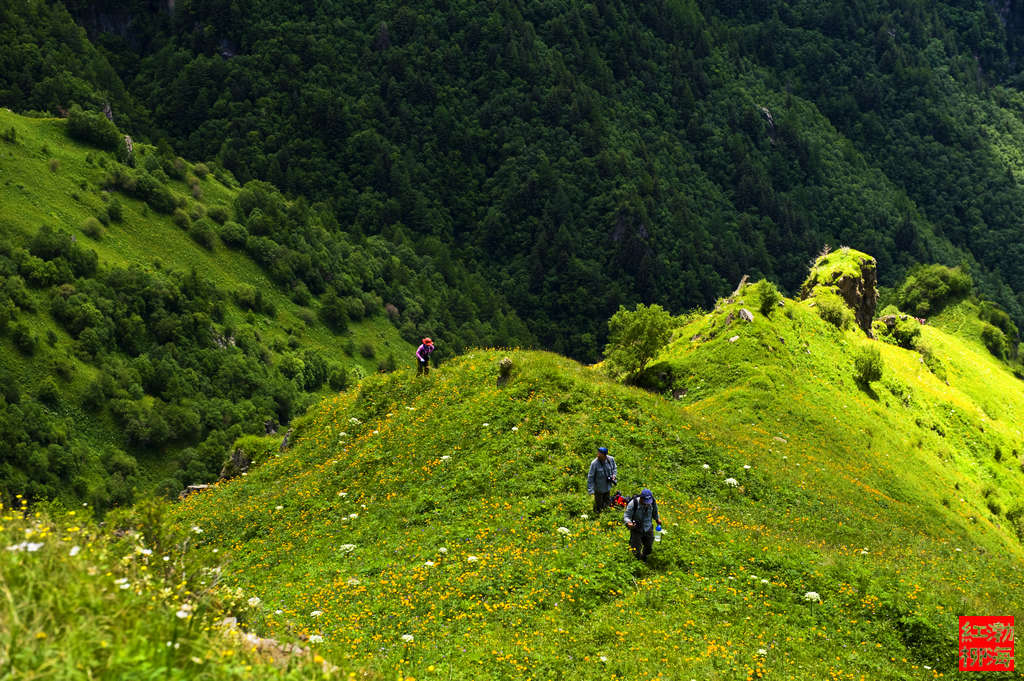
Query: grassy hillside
(418, 525)
(136, 345)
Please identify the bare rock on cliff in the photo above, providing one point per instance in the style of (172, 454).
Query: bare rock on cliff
(851, 275)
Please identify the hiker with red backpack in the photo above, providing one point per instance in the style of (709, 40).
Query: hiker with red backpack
(601, 478)
(640, 517)
(423, 357)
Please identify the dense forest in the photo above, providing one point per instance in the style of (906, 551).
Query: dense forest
(582, 156)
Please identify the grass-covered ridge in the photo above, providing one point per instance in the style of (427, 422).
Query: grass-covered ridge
(416, 525)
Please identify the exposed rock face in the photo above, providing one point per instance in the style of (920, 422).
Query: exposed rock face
(861, 293)
(236, 464)
(853, 276)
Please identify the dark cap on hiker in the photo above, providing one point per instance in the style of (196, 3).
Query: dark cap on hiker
(646, 497)
(603, 450)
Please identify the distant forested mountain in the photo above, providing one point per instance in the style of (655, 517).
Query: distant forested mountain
(580, 156)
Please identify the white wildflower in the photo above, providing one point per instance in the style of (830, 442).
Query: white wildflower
(352, 581)
(408, 638)
(342, 494)
(354, 420)
(316, 638)
(254, 601)
(145, 552)
(812, 596)
(74, 551)
(278, 507)
(196, 529)
(442, 550)
(29, 546)
(486, 424)
(353, 516)
(347, 548)
(473, 559)
(732, 482)
(762, 651)
(279, 612)
(706, 467)
(603, 658)
(445, 457)
(746, 466)
(564, 530)
(764, 581)
(583, 516)
(515, 429)
(316, 613)
(428, 563)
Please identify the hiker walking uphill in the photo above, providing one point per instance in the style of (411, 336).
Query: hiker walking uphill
(640, 517)
(423, 357)
(602, 476)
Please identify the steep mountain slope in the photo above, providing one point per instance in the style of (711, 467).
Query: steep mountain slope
(418, 525)
(138, 339)
(586, 156)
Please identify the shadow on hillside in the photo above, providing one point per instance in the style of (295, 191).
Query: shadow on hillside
(867, 390)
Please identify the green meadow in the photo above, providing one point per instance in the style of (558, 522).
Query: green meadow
(438, 528)
(819, 525)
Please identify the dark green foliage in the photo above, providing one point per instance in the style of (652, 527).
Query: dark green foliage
(181, 219)
(233, 234)
(115, 211)
(388, 364)
(49, 392)
(202, 233)
(991, 313)
(338, 378)
(93, 128)
(565, 154)
(995, 340)
(867, 364)
(834, 310)
(929, 287)
(769, 296)
(24, 339)
(143, 185)
(905, 332)
(92, 228)
(218, 213)
(634, 337)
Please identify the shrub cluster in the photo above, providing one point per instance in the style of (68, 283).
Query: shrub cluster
(929, 287)
(92, 127)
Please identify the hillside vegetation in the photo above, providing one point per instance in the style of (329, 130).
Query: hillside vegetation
(439, 526)
(582, 156)
(152, 311)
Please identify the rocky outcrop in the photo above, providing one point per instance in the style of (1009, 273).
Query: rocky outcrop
(238, 462)
(850, 274)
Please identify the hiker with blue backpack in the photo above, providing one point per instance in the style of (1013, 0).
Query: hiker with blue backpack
(602, 477)
(640, 516)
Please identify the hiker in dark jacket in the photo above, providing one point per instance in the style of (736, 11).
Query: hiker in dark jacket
(602, 477)
(640, 517)
(423, 357)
